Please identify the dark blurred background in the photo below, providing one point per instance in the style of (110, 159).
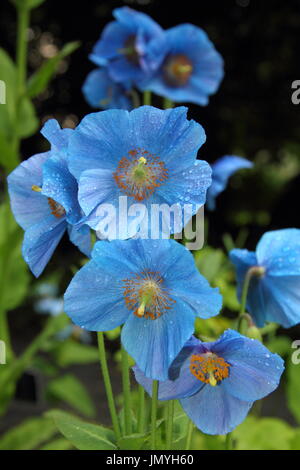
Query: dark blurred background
(251, 115)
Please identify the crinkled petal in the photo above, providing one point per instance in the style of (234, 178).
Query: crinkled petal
(99, 141)
(279, 252)
(29, 207)
(40, 241)
(94, 299)
(214, 411)
(101, 92)
(254, 371)
(154, 344)
(80, 236)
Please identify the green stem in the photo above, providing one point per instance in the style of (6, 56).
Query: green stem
(228, 442)
(126, 392)
(253, 271)
(141, 412)
(168, 103)
(52, 326)
(107, 384)
(154, 413)
(189, 435)
(147, 97)
(169, 430)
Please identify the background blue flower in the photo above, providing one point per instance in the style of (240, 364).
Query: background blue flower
(275, 295)
(148, 155)
(43, 196)
(125, 46)
(192, 69)
(101, 91)
(222, 170)
(153, 288)
(217, 383)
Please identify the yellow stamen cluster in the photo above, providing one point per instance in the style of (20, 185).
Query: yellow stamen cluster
(209, 368)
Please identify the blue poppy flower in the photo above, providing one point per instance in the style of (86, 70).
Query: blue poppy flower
(217, 383)
(43, 196)
(192, 69)
(274, 293)
(222, 170)
(148, 156)
(154, 288)
(126, 46)
(101, 91)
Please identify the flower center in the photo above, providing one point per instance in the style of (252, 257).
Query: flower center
(146, 296)
(139, 174)
(56, 209)
(209, 368)
(177, 70)
(129, 50)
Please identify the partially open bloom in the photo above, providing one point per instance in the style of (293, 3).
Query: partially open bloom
(153, 287)
(102, 92)
(126, 46)
(222, 170)
(274, 290)
(43, 196)
(148, 156)
(217, 383)
(192, 69)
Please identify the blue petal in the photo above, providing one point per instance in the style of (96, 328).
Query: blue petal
(58, 137)
(94, 299)
(222, 170)
(61, 186)
(81, 237)
(101, 92)
(279, 252)
(40, 241)
(189, 186)
(134, 20)
(167, 134)
(29, 207)
(254, 371)
(214, 411)
(192, 42)
(111, 41)
(99, 141)
(97, 187)
(154, 344)
(183, 384)
(281, 299)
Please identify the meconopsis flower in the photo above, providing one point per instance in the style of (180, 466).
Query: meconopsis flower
(217, 383)
(274, 290)
(43, 196)
(192, 69)
(146, 156)
(101, 91)
(153, 287)
(222, 170)
(126, 46)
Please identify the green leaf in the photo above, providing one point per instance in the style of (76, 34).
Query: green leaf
(39, 81)
(133, 442)
(83, 435)
(209, 262)
(58, 444)
(295, 441)
(27, 122)
(280, 345)
(28, 435)
(70, 390)
(293, 388)
(263, 434)
(13, 270)
(71, 352)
